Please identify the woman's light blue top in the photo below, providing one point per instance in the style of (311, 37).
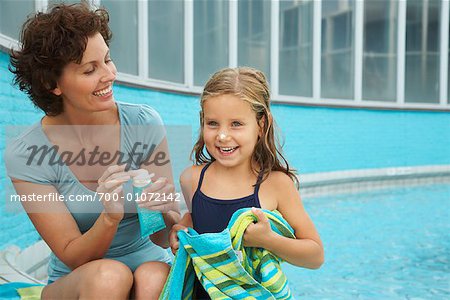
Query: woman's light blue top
(139, 124)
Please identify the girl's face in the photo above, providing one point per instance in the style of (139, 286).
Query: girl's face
(88, 86)
(230, 130)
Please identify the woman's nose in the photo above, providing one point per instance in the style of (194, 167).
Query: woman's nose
(109, 73)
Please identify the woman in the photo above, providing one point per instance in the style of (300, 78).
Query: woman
(84, 151)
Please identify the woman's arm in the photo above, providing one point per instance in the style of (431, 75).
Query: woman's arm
(304, 251)
(59, 230)
(162, 168)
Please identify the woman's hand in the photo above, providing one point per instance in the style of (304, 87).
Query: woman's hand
(159, 196)
(173, 237)
(110, 184)
(258, 234)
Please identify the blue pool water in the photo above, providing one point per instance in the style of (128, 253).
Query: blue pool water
(392, 244)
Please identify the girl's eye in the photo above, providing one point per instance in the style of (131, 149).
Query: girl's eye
(236, 124)
(212, 123)
(108, 60)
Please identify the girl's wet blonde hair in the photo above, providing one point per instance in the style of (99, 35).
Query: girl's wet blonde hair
(251, 86)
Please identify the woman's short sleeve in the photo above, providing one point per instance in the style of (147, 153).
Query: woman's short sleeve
(153, 124)
(26, 162)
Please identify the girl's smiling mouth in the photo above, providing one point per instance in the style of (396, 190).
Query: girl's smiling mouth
(227, 150)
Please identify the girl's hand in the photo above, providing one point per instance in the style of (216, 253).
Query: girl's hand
(159, 196)
(173, 238)
(110, 191)
(258, 234)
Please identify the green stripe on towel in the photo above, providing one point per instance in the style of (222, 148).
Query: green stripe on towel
(212, 258)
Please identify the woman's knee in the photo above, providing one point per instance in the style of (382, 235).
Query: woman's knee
(149, 279)
(103, 278)
(108, 274)
(152, 272)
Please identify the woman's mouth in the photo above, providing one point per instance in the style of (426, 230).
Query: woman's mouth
(103, 92)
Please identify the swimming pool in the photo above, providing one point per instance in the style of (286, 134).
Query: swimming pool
(390, 244)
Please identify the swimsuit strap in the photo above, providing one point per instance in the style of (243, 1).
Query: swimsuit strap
(202, 174)
(257, 184)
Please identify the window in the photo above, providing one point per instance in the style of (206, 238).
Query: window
(53, 2)
(254, 34)
(422, 51)
(210, 38)
(295, 55)
(13, 14)
(380, 50)
(337, 49)
(124, 43)
(166, 40)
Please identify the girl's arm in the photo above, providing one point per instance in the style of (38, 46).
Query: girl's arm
(304, 251)
(187, 187)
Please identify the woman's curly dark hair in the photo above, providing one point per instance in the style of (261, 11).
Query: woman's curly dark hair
(50, 41)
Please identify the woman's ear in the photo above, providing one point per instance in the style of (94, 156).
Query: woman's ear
(56, 91)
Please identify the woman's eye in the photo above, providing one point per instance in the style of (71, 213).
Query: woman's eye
(90, 71)
(108, 60)
(236, 124)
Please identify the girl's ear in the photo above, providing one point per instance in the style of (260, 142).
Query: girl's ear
(261, 124)
(267, 118)
(201, 118)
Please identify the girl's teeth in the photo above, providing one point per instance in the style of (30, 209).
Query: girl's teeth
(227, 149)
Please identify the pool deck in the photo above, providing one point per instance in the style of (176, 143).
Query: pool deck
(29, 265)
(357, 181)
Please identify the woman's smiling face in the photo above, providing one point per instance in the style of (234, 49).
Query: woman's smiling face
(230, 130)
(88, 86)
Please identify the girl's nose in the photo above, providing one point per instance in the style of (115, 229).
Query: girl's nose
(222, 136)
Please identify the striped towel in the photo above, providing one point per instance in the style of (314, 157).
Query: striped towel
(20, 291)
(213, 258)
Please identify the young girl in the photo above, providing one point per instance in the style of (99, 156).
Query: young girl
(243, 167)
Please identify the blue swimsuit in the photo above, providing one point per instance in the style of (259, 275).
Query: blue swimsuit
(213, 215)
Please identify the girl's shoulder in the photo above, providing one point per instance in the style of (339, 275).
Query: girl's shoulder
(277, 186)
(191, 175)
(189, 182)
(279, 179)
